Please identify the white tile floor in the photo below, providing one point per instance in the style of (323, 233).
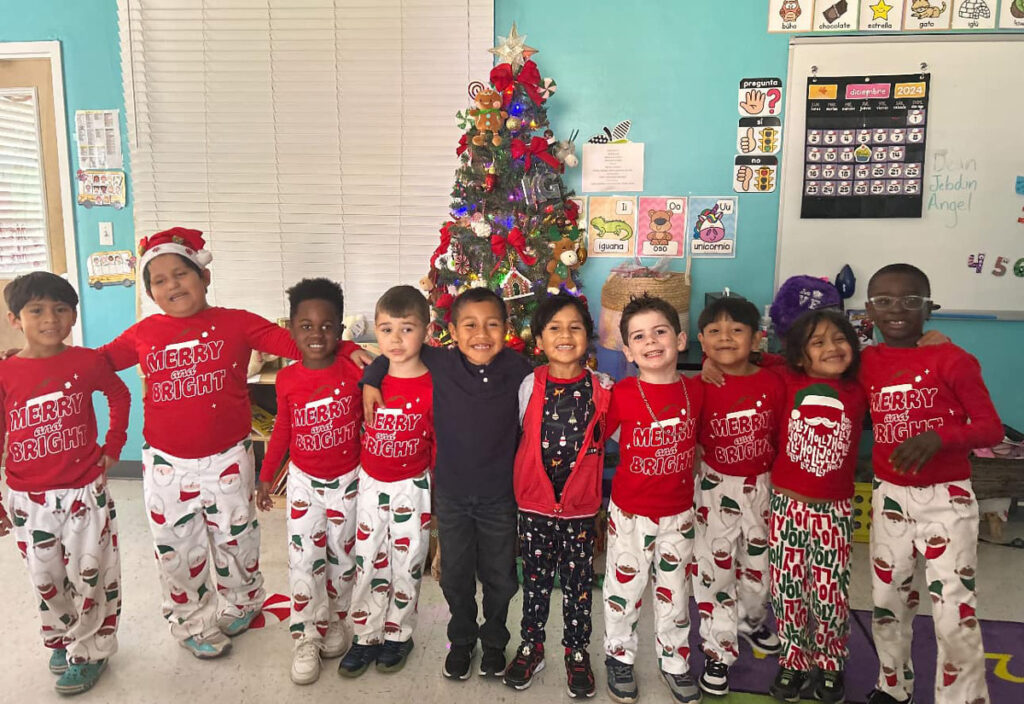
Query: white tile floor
(151, 668)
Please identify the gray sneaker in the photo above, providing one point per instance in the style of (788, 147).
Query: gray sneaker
(621, 682)
(683, 688)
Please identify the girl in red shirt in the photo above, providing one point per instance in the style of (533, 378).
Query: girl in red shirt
(810, 525)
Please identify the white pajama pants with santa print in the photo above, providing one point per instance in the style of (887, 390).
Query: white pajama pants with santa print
(731, 552)
(939, 522)
(392, 538)
(321, 566)
(68, 538)
(641, 549)
(195, 505)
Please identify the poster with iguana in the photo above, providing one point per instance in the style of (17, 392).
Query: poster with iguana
(611, 226)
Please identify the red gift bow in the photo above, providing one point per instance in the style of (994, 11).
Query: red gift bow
(515, 239)
(528, 77)
(538, 148)
(463, 145)
(446, 239)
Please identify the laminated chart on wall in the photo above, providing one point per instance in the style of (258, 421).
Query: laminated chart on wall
(713, 228)
(611, 226)
(864, 146)
(662, 226)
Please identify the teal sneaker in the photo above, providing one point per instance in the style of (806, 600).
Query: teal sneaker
(58, 661)
(209, 647)
(80, 677)
(232, 626)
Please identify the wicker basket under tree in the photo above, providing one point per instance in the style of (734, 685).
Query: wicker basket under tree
(626, 283)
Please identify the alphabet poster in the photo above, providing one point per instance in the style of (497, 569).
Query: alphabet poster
(865, 146)
(713, 229)
(611, 226)
(662, 223)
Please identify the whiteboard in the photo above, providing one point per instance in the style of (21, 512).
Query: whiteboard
(974, 154)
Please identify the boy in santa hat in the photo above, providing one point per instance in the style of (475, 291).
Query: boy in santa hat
(63, 516)
(929, 408)
(199, 478)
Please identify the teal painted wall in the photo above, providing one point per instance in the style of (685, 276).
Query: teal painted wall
(88, 35)
(673, 68)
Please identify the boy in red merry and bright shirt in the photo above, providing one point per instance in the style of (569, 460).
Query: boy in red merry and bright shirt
(650, 518)
(929, 407)
(319, 411)
(394, 491)
(738, 428)
(64, 519)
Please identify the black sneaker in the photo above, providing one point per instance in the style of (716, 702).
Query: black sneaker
(877, 696)
(763, 639)
(621, 681)
(393, 655)
(357, 659)
(829, 687)
(578, 673)
(456, 665)
(787, 685)
(492, 662)
(529, 660)
(715, 678)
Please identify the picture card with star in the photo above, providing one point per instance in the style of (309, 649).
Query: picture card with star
(835, 15)
(881, 15)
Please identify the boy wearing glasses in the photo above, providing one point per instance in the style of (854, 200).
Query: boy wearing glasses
(929, 408)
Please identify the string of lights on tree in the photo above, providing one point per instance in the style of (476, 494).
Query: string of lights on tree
(513, 227)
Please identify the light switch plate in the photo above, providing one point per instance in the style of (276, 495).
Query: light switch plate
(106, 234)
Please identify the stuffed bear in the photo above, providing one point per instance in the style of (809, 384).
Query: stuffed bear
(661, 227)
(489, 117)
(564, 260)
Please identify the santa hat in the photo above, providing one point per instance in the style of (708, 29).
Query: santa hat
(966, 611)
(818, 395)
(178, 240)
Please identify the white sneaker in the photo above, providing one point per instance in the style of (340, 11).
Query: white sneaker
(306, 661)
(338, 639)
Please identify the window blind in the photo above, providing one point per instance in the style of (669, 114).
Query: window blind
(304, 137)
(23, 243)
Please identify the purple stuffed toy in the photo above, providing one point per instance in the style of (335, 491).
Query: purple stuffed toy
(799, 294)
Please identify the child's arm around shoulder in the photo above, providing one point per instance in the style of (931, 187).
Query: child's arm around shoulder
(963, 375)
(525, 394)
(5, 521)
(119, 401)
(280, 440)
(122, 352)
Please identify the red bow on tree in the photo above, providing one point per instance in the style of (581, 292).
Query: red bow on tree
(528, 77)
(463, 145)
(446, 240)
(515, 239)
(572, 211)
(538, 148)
(444, 302)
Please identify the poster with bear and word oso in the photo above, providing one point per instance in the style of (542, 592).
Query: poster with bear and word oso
(661, 226)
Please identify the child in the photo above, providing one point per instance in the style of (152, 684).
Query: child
(558, 473)
(929, 407)
(198, 476)
(650, 518)
(737, 434)
(810, 528)
(319, 412)
(63, 516)
(476, 406)
(394, 491)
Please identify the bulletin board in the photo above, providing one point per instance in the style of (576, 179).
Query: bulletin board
(969, 237)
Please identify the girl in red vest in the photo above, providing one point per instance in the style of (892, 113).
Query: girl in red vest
(558, 472)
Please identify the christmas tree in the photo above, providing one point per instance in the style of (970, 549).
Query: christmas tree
(513, 226)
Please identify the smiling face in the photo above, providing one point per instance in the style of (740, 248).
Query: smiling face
(316, 328)
(899, 326)
(479, 331)
(653, 344)
(728, 343)
(399, 337)
(176, 286)
(827, 354)
(564, 342)
(46, 323)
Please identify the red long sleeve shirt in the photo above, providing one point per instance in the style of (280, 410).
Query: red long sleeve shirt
(913, 390)
(656, 454)
(819, 431)
(319, 412)
(739, 423)
(399, 440)
(49, 419)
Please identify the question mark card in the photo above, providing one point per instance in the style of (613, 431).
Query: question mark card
(760, 97)
(662, 226)
(759, 135)
(755, 174)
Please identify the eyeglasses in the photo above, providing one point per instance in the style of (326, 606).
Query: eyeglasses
(907, 302)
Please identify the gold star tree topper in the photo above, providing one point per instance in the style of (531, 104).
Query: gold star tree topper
(513, 49)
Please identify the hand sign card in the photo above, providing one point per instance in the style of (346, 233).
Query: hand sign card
(713, 226)
(760, 97)
(755, 174)
(759, 135)
(662, 222)
(790, 15)
(865, 146)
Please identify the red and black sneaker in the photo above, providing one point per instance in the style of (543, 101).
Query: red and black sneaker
(577, 671)
(529, 660)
